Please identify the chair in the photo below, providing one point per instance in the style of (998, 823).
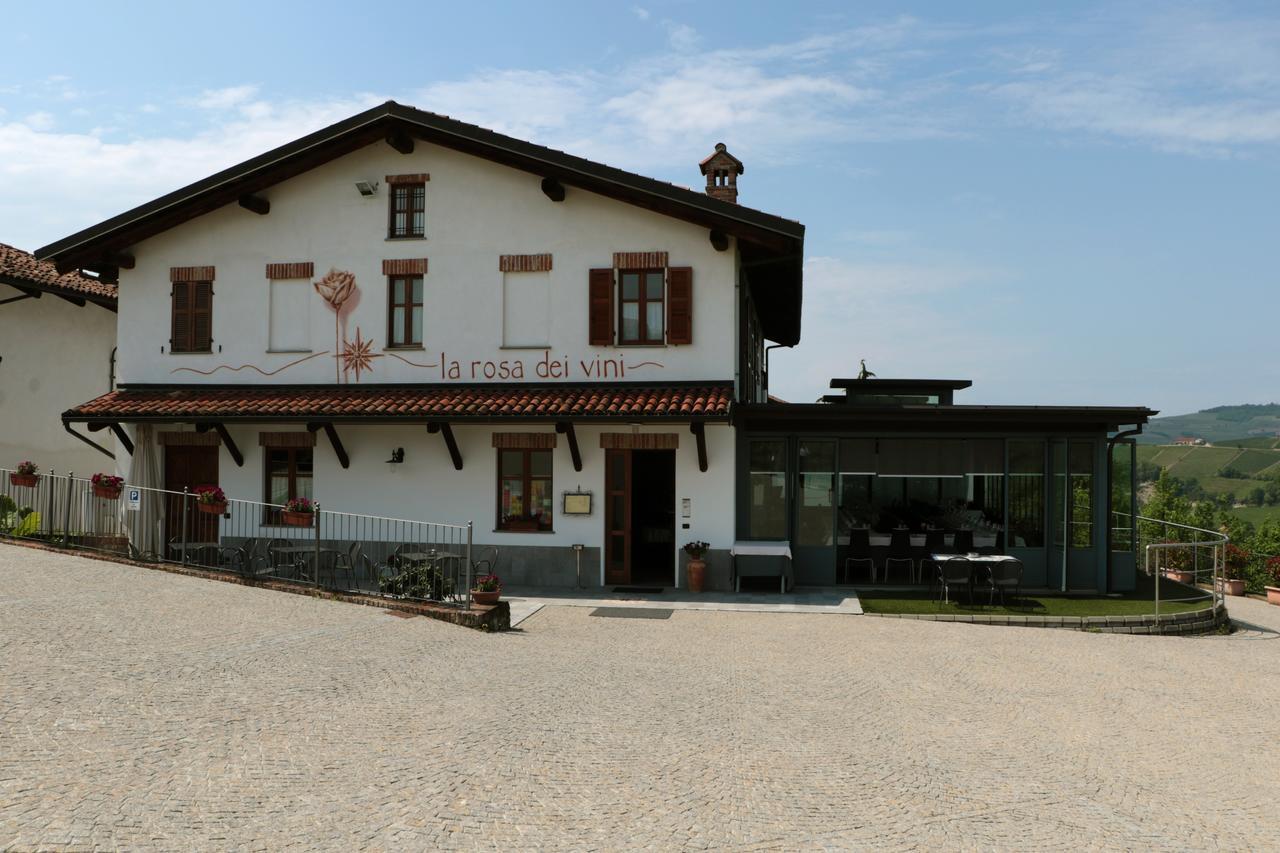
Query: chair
(1005, 574)
(953, 574)
(277, 561)
(238, 558)
(900, 552)
(963, 542)
(859, 552)
(487, 563)
(935, 542)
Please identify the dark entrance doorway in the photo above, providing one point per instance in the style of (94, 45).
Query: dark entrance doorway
(640, 517)
(188, 467)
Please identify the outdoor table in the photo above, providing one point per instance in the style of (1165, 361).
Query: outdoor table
(307, 551)
(746, 548)
(976, 563)
(193, 547)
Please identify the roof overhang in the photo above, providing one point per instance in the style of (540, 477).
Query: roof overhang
(816, 417)
(777, 242)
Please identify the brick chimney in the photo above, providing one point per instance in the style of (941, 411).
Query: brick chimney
(722, 170)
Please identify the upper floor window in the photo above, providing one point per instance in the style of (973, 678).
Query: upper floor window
(404, 319)
(408, 210)
(191, 326)
(641, 307)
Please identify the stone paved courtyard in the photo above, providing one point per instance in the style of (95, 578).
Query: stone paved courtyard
(140, 709)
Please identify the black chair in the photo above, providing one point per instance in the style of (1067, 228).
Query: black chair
(900, 552)
(963, 542)
(859, 552)
(935, 542)
(953, 575)
(1005, 574)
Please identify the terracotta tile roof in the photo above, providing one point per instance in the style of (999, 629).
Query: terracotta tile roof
(383, 402)
(21, 268)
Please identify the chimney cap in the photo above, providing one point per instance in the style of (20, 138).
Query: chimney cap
(721, 159)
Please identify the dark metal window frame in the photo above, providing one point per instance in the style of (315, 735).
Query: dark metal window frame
(400, 199)
(527, 478)
(642, 301)
(403, 337)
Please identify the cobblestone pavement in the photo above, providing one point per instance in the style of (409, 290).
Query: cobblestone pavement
(144, 710)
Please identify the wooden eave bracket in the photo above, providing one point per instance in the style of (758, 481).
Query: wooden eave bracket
(335, 441)
(553, 189)
(88, 441)
(232, 448)
(256, 204)
(699, 430)
(719, 240)
(122, 437)
(400, 141)
(566, 429)
(450, 442)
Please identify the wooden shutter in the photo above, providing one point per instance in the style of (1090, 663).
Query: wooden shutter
(680, 305)
(600, 308)
(202, 317)
(180, 331)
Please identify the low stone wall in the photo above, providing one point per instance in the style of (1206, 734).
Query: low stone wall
(1174, 624)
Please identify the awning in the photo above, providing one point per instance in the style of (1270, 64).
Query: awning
(409, 403)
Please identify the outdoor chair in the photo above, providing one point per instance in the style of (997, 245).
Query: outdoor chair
(900, 552)
(487, 563)
(963, 542)
(953, 575)
(283, 565)
(859, 552)
(935, 542)
(1005, 574)
(238, 558)
(356, 563)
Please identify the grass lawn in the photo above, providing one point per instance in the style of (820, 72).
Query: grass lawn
(1256, 514)
(1136, 603)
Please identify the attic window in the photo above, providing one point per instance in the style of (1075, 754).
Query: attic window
(407, 198)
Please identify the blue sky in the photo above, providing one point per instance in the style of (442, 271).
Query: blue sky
(1069, 206)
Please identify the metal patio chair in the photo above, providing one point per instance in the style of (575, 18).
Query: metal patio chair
(935, 542)
(1005, 574)
(900, 552)
(953, 574)
(859, 552)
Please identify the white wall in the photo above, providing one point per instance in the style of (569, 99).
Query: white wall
(53, 355)
(426, 487)
(475, 211)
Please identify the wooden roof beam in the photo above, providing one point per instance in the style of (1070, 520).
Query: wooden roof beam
(255, 204)
(400, 141)
(335, 441)
(450, 442)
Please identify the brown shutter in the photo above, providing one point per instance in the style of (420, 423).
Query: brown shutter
(600, 308)
(180, 331)
(680, 305)
(202, 317)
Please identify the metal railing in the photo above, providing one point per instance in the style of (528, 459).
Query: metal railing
(336, 551)
(1189, 556)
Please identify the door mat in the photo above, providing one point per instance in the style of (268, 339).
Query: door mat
(648, 590)
(633, 612)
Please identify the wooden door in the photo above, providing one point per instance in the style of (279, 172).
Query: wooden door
(188, 467)
(617, 516)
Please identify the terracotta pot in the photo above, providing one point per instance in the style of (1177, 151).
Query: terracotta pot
(482, 597)
(212, 509)
(1273, 595)
(109, 492)
(1180, 576)
(297, 519)
(1232, 587)
(696, 574)
(24, 479)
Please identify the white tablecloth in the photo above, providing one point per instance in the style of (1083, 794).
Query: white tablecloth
(761, 549)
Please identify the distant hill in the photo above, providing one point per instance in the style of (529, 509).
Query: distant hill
(1219, 425)
(1248, 466)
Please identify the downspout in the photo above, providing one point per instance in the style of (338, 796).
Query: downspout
(1111, 446)
(111, 371)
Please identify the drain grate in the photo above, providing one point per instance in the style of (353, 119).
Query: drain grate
(633, 612)
(648, 590)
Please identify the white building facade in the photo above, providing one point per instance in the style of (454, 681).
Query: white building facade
(516, 328)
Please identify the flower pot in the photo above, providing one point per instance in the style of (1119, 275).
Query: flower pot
(522, 526)
(1180, 576)
(1273, 595)
(481, 597)
(212, 509)
(1231, 587)
(696, 573)
(24, 479)
(108, 492)
(297, 519)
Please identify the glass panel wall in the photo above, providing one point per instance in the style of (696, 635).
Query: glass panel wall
(1080, 461)
(816, 479)
(1026, 494)
(767, 487)
(1122, 504)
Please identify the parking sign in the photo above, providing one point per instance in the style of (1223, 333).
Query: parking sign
(134, 500)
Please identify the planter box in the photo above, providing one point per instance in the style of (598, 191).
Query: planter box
(1231, 587)
(212, 509)
(522, 526)
(297, 519)
(108, 492)
(1180, 576)
(28, 480)
(1273, 595)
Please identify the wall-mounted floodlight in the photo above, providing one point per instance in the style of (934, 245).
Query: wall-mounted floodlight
(367, 188)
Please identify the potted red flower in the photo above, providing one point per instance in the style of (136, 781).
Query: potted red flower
(1177, 565)
(487, 589)
(211, 499)
(299, 512)
(1273, 571)
(1233, 567)
(25, 475)
(107, 486)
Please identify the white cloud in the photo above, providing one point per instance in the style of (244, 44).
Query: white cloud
(226, 98)
(526, 104)
(40, 121)
(641, 13)
(682, 37)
